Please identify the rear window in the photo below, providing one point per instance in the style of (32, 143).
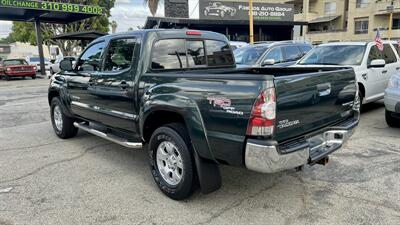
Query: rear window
(182, 54)
(14, 62)
(219, 53)
(169, 54)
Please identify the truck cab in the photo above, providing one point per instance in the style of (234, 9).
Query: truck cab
(178, 95)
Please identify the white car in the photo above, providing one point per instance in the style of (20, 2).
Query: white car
(373, 67)
(392, 101)
(35, 61)
(55, 67)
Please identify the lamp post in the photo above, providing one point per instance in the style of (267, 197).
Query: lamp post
(251, 19)
(390, 9)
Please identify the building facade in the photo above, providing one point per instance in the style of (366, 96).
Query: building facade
(347, 20)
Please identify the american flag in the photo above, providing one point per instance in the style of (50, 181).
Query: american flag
(378, 41)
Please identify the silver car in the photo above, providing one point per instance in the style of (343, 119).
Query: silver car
(392, 101)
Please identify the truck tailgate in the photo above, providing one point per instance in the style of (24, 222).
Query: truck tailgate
(307, 102)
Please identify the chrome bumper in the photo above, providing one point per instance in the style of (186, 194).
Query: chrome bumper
(268, 159)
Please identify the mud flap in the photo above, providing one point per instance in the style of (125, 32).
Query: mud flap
(208, 173)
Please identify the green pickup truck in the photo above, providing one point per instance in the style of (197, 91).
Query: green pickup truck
(178, 95)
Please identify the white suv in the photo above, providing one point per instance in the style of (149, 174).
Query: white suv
(373, 68)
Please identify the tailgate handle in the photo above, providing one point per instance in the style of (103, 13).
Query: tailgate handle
(324, 89)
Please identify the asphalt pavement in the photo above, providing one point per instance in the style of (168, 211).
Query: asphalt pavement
(87, 180)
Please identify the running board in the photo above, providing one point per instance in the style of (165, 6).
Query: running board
(110, 137)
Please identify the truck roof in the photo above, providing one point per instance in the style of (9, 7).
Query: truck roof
(170, 33)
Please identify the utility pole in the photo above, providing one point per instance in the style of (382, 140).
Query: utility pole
(251, 19)
(390, 9)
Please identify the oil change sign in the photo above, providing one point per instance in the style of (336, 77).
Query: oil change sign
(52, 6)
(222, 10)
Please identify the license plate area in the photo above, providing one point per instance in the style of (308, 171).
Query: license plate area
(324, 144)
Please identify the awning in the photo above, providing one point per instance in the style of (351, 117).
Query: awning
(83, 36)
(324, 19)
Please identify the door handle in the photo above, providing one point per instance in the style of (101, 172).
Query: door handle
(385, 71)
(324, 89)
(123, 85)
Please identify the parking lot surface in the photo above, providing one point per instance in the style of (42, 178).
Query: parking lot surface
(87, 180)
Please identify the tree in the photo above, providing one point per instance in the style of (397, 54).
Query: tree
(153, 6)
(25, 31)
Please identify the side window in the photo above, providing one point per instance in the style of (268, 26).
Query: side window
(387, 54)
(169, 54)
(305, 48)
(91, 59)
(119, 54)
(219, 53)
(292, 53)
(374, 53)
(275, 54)
(196, 54)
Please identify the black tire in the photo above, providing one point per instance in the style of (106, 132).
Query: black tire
(68, 129)
(176, 134)
(51, 71)
(390, 120)
(33, 77)
(7, 77)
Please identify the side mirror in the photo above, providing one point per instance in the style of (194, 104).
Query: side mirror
(377, 63)
(268, 62)
(66, 65)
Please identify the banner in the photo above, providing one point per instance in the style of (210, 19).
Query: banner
(53, 6)
(217, 10)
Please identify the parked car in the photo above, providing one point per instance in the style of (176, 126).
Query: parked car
(220, 10)
(238, 44)
(55, 67)
(35, 61)
(178, 93)
(11, 68)
(282, 53)
(373, 68)
(392, 101)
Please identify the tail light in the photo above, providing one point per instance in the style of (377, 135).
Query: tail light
(263, 114)
(193, 33)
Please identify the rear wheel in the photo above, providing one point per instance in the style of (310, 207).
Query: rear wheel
(62, 124)
(34, 76)
(390, 120)
(7, 77)
(171, 161)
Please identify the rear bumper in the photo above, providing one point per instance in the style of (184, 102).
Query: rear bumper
(21, 74)
(267, 157)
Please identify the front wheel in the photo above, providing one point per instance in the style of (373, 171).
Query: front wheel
(171, 161)
(34, 77)
(62, 124)
(390, 120)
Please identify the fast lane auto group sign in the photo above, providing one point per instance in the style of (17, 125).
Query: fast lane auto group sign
(217, 10)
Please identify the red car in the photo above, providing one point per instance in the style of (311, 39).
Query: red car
(16, 68)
